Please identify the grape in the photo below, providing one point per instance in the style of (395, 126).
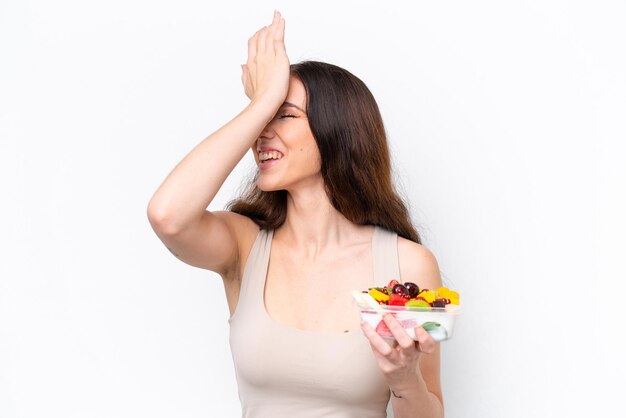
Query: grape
(412, 288)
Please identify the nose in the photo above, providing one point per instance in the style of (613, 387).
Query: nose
(267, 132)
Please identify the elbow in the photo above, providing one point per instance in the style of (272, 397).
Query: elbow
(162, 219)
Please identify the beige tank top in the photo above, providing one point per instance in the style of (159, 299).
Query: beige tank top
(286, 372)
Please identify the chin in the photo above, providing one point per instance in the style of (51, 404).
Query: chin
(268, 187)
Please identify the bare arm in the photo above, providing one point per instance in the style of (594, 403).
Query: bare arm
(420, 395)
(177, 210)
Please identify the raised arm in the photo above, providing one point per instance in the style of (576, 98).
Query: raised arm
(178, 209)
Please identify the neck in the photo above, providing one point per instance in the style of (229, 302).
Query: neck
(313, 226)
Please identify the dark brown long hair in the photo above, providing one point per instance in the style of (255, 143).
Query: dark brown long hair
(356, 166)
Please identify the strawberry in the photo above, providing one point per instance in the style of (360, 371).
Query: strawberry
(397, 300)
(383, 330)
(392, 283)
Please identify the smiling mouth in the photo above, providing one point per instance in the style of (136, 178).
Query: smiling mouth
(269, 156)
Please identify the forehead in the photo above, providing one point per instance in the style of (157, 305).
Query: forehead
(296, 93)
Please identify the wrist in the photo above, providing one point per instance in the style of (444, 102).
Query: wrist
(410, 385)
(266, 104)
(260, 112)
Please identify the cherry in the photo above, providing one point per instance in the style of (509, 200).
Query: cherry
(412, 288)
(400, 290)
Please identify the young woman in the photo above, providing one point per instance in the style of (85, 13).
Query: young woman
(320, 219)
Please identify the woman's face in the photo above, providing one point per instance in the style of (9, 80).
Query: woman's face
(286, 152)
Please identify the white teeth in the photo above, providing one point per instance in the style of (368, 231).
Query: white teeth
(271, 155)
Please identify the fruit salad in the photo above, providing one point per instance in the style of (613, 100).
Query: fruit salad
(409, 294)
(434, 310)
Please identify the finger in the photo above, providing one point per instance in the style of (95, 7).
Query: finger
(244, 74)
(426, 344)
(261, 45)
(272, 31)
(280, 29)
(279, 38)
(275, 19)
(269, 39)
(252, 48)
(376, 340)
(401, 336)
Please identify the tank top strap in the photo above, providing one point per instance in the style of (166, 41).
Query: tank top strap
(253, 278)
(385, 256)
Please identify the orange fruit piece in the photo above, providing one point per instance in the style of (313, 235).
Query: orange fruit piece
(378, 295)
(429, 295)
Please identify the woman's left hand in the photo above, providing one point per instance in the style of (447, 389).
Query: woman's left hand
(399, 364)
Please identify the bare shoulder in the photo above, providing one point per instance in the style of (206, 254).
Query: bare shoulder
(418, 264)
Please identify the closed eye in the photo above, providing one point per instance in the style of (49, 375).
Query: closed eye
(286, 116)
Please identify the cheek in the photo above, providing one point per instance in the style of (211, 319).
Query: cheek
(311, 156)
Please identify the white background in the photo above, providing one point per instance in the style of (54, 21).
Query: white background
(506, 122)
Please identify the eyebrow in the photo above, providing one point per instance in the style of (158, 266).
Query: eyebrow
(289, 104)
